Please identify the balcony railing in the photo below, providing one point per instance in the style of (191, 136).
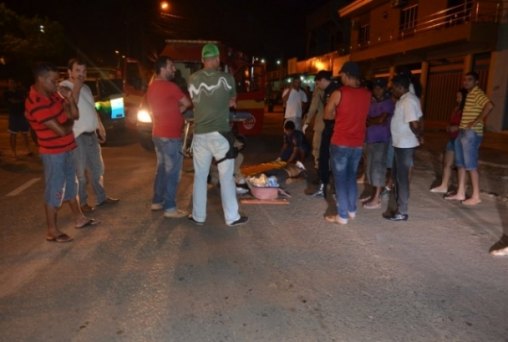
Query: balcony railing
(470, 11)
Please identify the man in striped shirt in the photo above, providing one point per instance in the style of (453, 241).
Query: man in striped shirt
(51, 115)
(476, 109)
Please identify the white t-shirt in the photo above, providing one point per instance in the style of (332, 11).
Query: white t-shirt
(407, 109)
(294, 103)
(87, 121)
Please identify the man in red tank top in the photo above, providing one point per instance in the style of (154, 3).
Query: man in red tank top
(349, 107)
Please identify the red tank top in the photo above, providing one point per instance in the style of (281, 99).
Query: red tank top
(351, 117)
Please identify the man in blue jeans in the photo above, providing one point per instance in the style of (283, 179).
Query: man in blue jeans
(167, 103)
(349, 106)
(213, 92)
(406, 136)
(89, 133)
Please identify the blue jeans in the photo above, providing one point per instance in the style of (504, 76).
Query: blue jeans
(205, 147)
(60, 178)
(401, 168)
(167, 174)
(344, 162)
(88, 158)
(467, 146)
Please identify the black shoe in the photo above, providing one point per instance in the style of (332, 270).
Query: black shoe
(240, 221)
(397, 217)
(194, 221)
(108, 200)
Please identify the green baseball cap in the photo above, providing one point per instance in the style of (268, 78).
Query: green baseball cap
(210, 50)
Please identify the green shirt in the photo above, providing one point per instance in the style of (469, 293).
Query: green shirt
(211, 92)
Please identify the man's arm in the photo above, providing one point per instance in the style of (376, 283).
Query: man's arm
(185, 104)
(485, 111)
(417, 130)
(377, 120)
(100, 130)
(232, 102)
(69, 103)
(332, 103)
(60, 129)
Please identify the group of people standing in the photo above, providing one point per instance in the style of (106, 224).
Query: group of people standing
(349, 118)
(212, 93)
(69, 132)
(346, 117)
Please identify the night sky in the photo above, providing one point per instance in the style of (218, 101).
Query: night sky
(268, 28)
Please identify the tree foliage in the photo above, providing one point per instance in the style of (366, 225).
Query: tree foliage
(26, 40)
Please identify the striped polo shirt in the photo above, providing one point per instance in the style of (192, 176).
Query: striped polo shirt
(38, 110)
(475, 102)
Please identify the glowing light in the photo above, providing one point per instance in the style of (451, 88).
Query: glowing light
(164, 6)
(144, 116)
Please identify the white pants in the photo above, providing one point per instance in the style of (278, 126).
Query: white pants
(205, 147)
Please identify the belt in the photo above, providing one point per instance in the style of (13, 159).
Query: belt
(88, 133)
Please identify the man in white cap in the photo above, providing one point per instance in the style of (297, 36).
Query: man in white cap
(213, 92)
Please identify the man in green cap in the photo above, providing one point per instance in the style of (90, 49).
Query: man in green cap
(213, 93)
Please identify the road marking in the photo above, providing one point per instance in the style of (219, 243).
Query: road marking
(23, 187)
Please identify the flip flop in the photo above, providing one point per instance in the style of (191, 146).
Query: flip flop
(60, 238)
(90, 222)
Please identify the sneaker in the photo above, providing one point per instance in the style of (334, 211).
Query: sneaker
(156, 206)
(239, 222)
(351, 214)
(107, 201)
(175, 213)
(335, 219)
(320, 191)
(191, 218)
(241, 191)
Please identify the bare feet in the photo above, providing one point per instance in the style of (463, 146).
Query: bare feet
(374, 204)
(439, 190)
(470, 202)
(455, 197)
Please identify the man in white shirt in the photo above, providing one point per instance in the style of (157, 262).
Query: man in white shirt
(406, 136)
(294, 97)
(89, 133)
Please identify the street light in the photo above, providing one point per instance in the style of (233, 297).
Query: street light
(164, 6)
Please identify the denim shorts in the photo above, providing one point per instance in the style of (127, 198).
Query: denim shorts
(450, 146)
(467, 146)
(60, 178)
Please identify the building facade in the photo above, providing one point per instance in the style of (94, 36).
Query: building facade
(438, 40)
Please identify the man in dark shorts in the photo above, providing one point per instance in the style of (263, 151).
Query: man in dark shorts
(51, 115)
(15, 97)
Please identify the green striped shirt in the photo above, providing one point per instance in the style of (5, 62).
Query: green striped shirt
(475, 102)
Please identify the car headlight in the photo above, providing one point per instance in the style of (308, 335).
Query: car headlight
(144, 116)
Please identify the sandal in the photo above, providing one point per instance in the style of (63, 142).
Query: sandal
(60, 238)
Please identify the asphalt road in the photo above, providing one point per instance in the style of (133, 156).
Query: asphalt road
(285, 276)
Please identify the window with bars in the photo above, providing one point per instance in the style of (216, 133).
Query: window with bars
(408, 17)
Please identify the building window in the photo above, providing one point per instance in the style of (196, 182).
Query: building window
(408, 17)
(364, 34)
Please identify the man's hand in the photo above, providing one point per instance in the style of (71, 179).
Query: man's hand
(304, 128)
(101, 131)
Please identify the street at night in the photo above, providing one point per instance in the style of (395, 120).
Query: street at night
(290, 170)
(287, 275)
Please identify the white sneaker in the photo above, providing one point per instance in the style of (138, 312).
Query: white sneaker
(156, 206)
(241, 191)
(175, 213)
(351, 214)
